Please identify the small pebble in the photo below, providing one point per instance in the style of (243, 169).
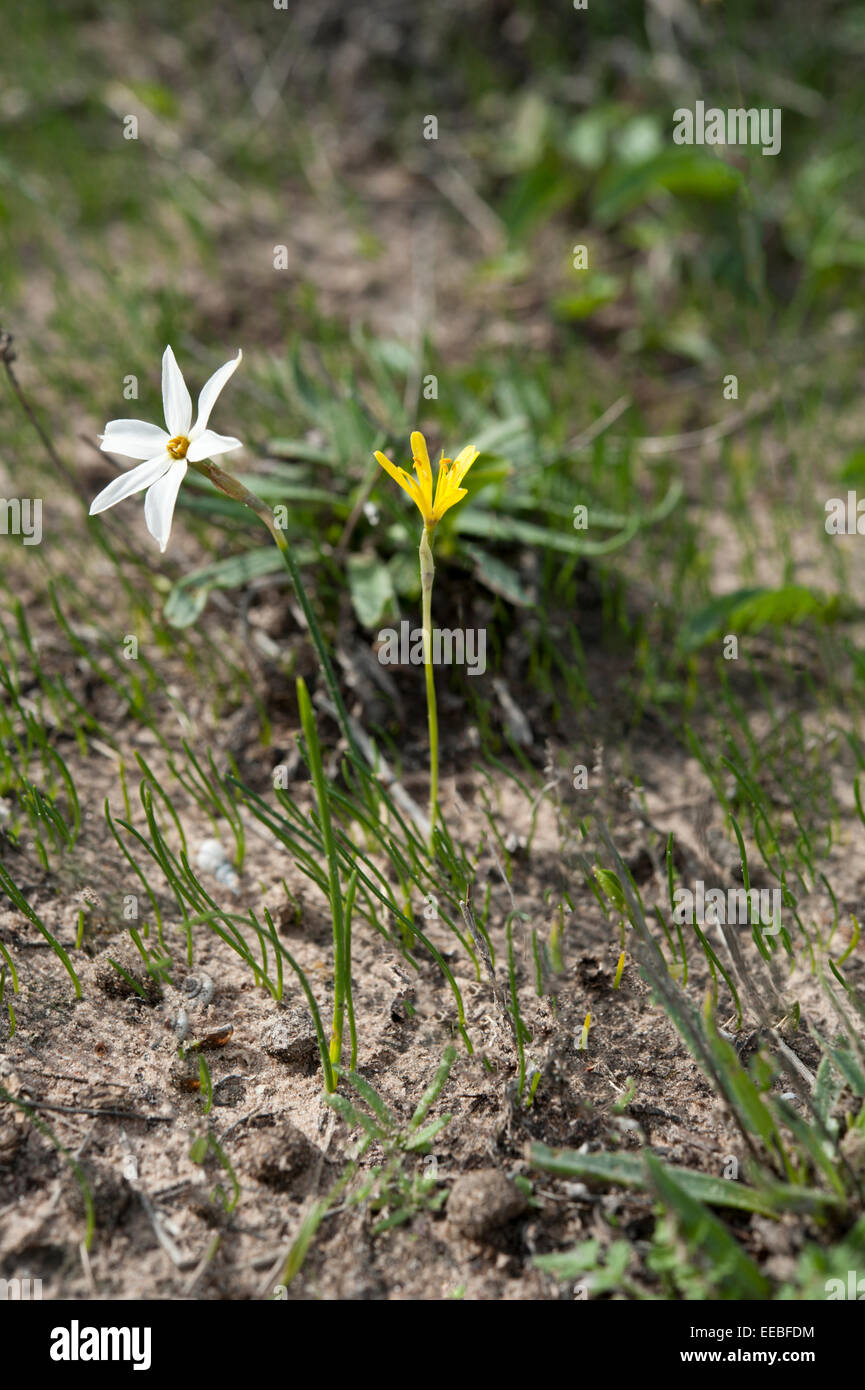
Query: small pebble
(229, 1092)
(286, 1155)
(212, 859)
(482, 1201)
(291, 1038)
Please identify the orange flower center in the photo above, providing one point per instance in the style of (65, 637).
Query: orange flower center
(177, 446)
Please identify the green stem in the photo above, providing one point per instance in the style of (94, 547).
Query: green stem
(427, 575)
(232, 488)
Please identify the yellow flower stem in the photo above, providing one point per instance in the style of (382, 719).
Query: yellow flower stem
(427, 575)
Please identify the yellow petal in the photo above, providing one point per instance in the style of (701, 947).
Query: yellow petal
(400, 476)
(419, 450)
(413, 489)
(447, 488)
(391, 468)
(422, 467)
(453, 495)
(442, 484)
(463, 462)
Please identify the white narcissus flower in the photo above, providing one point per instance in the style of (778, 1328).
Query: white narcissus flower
(166, 453)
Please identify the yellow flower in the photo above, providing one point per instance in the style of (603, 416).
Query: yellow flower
(420, 488)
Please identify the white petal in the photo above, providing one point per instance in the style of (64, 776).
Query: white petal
(160, 500)
(134, 439)
(133, 481)
(176, 401)
(208, 444)
(209, 392)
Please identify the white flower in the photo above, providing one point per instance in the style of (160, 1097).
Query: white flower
(165, 452)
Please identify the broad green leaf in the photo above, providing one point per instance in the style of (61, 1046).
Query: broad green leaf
(393, 354)
(475, 522)
(787, 606)
(188, 598)
(537, 194)
(501, 578)
(586, 139)
(185, 605)
(708, 621)
(371, 588)
(567, 1264)
(687, 172)
(627, 1170)
(595, 290)
(726, 1268)
(750, 610)
(299, 449)
(854, 467)
(198, 1149)
(273, 489)
(404, 573)
(499, 436)
(611, 887)
(583, 1259)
